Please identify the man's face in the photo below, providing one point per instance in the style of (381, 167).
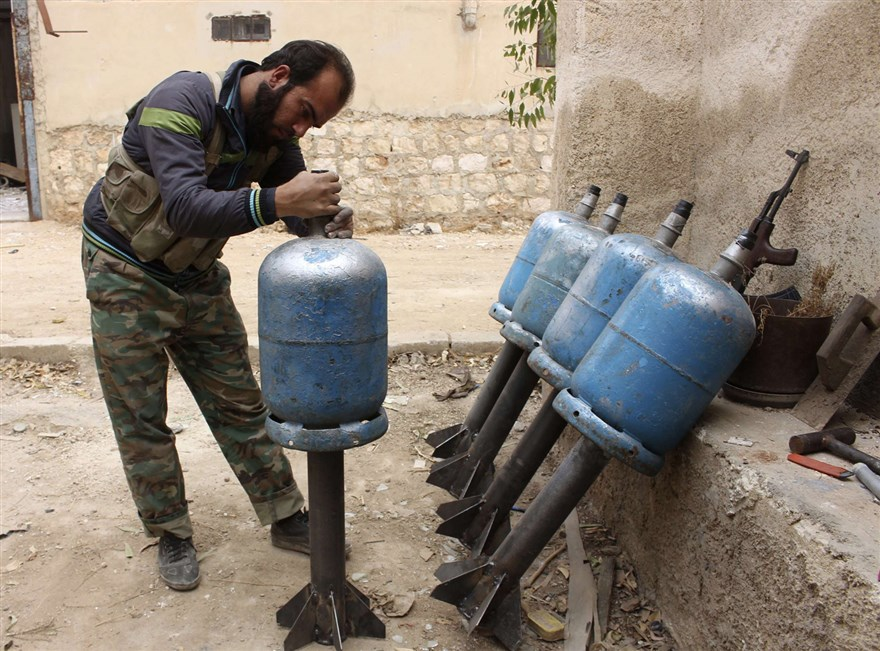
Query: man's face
(281, 112)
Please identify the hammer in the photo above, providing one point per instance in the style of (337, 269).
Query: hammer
(836, 440)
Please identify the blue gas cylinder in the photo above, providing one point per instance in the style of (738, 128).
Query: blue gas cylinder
(542, 230)
(323, 329)
(556, 270)
(658, 364)
(606, 280)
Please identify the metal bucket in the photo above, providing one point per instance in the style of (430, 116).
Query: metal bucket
(781, 364)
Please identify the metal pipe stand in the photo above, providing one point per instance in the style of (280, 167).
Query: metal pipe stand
(329, 609)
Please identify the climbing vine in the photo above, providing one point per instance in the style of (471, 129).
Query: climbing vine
(526, 102)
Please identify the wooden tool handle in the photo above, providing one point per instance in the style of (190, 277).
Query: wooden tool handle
(820, 466)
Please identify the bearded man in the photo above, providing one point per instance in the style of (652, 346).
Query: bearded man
(202, 159)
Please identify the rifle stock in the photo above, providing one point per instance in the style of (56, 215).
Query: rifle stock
(762, 226)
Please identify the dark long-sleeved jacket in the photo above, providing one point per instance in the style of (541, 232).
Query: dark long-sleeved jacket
(166, 136)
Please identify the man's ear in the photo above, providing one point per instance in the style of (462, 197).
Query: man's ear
(279, 77)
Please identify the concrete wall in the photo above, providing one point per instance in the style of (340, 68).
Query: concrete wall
(699, 99)
(423, 139)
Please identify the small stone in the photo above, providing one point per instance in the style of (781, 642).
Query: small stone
(18, 428)
(397, 639)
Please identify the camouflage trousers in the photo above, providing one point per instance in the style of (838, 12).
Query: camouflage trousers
(138, 323)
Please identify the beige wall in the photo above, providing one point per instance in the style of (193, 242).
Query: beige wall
(422, 78)
(699, 99)
(412, 57)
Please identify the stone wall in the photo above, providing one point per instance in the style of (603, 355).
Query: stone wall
(461, 172)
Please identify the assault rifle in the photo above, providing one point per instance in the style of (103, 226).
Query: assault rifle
(762, 227)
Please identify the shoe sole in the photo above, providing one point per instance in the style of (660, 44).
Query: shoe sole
(294, 547)
(183, 587)
(303, 549)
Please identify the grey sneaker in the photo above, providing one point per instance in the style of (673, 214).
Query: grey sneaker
(293, 533)
(178, 565)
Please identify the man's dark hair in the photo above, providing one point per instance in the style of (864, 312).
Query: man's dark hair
(308, 58)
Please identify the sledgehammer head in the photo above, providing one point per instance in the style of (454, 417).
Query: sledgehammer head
(818, 441)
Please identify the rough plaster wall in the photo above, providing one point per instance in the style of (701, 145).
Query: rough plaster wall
(795, 75)
(626, 104)
(700, 99)
(411, 57)
(728, 566)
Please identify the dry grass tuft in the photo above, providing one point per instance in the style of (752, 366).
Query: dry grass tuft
(816, 303)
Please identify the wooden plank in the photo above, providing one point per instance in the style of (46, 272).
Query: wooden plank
(12, 172)
(582, 618)
(819, 404)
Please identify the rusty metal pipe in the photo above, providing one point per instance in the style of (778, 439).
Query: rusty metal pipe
(327, 536)
(548, 511)
(329, 609)
(484, 525)
(457, 438)
(470, 472)
(484, 589)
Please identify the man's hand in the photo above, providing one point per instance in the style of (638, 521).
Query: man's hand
(342, 225)
(309, 195)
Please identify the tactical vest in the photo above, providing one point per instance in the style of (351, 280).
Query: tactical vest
(134, 206)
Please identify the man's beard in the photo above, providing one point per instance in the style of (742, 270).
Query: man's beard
(259, 122)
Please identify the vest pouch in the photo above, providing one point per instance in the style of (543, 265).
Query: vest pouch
(199, 252)
(212, 252)
(134, 207)
(154, 237)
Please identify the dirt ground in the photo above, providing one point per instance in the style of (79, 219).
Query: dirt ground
(76, 571)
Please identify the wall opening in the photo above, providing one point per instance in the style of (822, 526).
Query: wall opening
(241, 28)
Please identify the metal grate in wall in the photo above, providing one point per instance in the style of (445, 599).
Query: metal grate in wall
(241, 28)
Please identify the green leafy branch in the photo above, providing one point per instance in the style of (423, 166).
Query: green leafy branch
(525, 102)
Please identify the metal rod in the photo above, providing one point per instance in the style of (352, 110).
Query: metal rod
(327, 543)
(547, 512)
(475, 468)
(457, 438)
(514, 476)
(494, 384)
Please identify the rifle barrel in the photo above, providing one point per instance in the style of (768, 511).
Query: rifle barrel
(774, 201)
